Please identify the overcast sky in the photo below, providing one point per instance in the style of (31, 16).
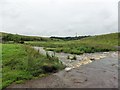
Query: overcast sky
(59, 17)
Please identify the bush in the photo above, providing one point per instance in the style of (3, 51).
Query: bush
(49, 68)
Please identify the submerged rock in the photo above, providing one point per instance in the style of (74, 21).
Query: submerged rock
(68, 69)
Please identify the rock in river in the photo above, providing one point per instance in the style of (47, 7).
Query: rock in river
(68, 69)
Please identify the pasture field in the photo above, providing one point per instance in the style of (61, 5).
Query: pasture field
(99, 43)
(21, 62)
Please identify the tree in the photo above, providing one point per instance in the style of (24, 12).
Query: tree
(16, 38)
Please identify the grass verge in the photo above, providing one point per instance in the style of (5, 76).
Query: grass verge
(20, 63)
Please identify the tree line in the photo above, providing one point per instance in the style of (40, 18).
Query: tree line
(20, 38)
(69, 38)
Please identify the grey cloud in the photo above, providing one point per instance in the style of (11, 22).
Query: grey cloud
(59, 17)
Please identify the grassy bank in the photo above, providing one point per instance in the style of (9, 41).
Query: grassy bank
(20, 62)
(92, 44)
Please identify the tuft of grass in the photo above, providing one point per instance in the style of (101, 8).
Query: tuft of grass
(68, 57)
(74, 58)
(20, 81)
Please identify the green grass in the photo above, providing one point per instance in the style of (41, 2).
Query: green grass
(20, 63)
(99, 43)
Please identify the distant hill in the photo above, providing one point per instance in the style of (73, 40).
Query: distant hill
(16, 37)
(109, 39)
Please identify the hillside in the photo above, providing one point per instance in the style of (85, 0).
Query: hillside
(16, 37)
(106, 39)
(98, 43)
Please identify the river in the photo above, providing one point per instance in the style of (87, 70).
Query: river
(90, 70)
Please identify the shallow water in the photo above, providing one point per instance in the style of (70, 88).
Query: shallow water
(81, 59)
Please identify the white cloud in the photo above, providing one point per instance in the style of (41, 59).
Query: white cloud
(59, 17)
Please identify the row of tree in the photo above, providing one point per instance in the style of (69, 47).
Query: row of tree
(70, 38)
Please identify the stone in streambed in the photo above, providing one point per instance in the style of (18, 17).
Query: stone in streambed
(68, 69)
